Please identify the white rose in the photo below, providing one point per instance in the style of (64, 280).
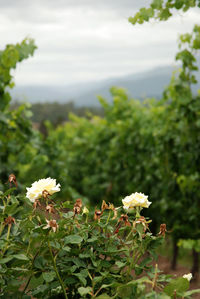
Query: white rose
(35, 191)
(136, 200)
(188, 276)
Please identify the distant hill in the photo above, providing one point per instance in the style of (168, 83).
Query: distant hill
(146, 84)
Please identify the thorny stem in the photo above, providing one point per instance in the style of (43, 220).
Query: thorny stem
(93, 284)
(56, 270)
(8, 233)
(26, 286)
(129, 234)
(108, 217)
(29, 244)
(104, 230)
(138, 210)
(1, 228)
(86, 219)
(7, 238)
(155, 277)
(175, 294)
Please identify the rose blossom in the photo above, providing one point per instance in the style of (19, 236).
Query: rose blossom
(136, 200)
(38, 187)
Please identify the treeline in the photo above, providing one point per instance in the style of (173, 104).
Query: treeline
(58, 113)
(148, 147)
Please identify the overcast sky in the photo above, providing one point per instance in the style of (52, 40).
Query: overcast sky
(86, 40)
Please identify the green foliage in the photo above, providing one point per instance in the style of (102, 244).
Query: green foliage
(179, 285)
(16, 132)
(77, 256)
(150, 147)
(57, 113)
(8, 60)
(190, 244)
(162, 10)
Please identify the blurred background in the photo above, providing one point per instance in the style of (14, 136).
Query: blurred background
(106, 108)
(84, 47)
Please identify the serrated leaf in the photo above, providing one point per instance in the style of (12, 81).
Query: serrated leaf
(103, 296)
(21, 257)
(73, 239)
(120, 264)
(84, 291)
(179, 284)
(6, 260)
(49, 276)
(189, 293)
(66, 248)
(9, 191)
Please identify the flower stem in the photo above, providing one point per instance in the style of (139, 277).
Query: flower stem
(7, 238)
(28, 281)
(108, 217)
(155, 277)
(1, 228)
(56, 270)
(26, 286)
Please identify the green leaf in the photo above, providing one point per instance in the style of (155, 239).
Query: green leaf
(82, 276)
(6, 259)
(138, 270)
(84, 291)
(120, 264)
(179, 284)
(103, 296)
(40, 262)
(49, 276)
(21, 257)
(10, 57)
(157, 4)
(93, 239)
(40, 289)
(66, 248)
(73, 239)
(9, 191)
(189, 293)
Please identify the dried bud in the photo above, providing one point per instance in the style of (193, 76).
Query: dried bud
(143, 221)
(51, 224)
(79, 202)
(12, 179)
(97, 215)
(50, 209)
(9, 220)
(36, 203)
(77, 206)
(163, 230)
(122, 220)
(104, 206)
(45, 194)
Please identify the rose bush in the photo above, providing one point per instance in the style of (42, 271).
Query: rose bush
(52, 250)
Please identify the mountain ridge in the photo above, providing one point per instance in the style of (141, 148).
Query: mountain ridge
(145, 84)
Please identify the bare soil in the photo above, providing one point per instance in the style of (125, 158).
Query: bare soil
(164, 264)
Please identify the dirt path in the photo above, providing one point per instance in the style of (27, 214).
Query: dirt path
(164, 265)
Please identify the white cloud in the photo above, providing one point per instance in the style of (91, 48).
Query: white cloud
(83, 40)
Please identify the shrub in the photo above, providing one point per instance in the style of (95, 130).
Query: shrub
(52, 250)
